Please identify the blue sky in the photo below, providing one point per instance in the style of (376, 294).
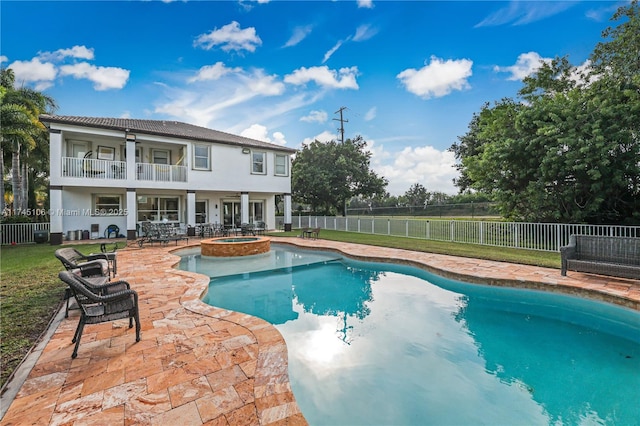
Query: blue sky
(409, 74)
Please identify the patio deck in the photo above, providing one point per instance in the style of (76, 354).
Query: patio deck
(197, 364)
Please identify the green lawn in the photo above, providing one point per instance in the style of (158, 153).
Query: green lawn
(527, 257)
(31, 293)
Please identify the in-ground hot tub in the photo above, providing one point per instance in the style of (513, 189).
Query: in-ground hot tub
(235, 246)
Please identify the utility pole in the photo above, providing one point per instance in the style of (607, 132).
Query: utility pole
(342, 121)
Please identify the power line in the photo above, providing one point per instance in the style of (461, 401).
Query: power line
(342, 121)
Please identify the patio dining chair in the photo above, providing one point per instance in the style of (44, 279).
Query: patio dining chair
(111, 302)
(247, 229)
(260, 228)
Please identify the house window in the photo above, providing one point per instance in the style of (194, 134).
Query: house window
(282, 163)
(161, 156)
(158, 208)
(257, 163)
(201, 157)
(107, 205)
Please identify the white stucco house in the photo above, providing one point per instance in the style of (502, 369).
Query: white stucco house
(119, 171)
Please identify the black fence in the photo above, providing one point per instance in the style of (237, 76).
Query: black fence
(471, 210)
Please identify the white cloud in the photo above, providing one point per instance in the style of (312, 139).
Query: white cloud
(603, 13)
(371, 114)
(76, 52)
(213, 72)
(229, 37)
(325, 136)
(40, 74)
(317, 116)
(524, 12)
(299, 34)
(367, 4)
(345, 78)
(103, 78)
(260, 132)
(526, 64)
(265, 85)
(331, 51)
(426, 165)
(439, 78)
(233, 103)
(3, 59)
(582, 74)
(364, 32)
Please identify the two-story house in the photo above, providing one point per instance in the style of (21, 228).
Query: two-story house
(119, 171)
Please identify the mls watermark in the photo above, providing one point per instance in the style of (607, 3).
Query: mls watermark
(63, 212)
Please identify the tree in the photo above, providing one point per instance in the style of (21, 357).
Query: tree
(417, 195)
(326, 175)
(570, 151)
(21, 133)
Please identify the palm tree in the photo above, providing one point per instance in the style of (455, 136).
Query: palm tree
(21, 131)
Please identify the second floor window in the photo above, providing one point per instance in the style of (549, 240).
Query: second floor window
(282, 161)
(257, 163)
(201, 157)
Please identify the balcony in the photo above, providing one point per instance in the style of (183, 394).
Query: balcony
(117, 170)
(161, 172)
(93, 169)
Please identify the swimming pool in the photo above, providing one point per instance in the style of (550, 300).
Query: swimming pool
(388, 344)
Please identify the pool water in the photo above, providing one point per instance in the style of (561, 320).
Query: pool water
(384, 344)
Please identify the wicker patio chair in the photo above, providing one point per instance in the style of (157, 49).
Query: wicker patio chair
(99, 285)
(90, 265)
(96, 308)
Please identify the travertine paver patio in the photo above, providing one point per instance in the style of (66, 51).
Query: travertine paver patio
(198, 364)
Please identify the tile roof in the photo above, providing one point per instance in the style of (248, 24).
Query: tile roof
(163, 128)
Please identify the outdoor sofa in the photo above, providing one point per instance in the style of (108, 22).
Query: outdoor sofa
(605, 255)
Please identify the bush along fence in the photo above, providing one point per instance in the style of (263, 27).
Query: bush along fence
(522, 235)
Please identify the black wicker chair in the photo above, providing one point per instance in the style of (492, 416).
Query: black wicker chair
(113, 301)
(97, 284)
(90, 265)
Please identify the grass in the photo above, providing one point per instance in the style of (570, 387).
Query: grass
(31, 293)
(526, 257)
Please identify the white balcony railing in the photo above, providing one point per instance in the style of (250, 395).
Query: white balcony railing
(104, 169)
(161, 172)
(94, 169)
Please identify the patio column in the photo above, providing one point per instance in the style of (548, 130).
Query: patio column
(287, 212)
(132, 213)
(244, 207)
(55, 154)
(131, 158)
(191, 212)
(55, 215)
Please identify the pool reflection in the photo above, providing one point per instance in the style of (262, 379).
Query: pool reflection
(388, 344)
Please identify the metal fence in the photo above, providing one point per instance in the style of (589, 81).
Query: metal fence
(21, 233)
(521, 235)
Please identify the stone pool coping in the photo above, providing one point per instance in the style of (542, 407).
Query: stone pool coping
(197, 364)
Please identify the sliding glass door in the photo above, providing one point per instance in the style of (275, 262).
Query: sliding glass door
(232, 215)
